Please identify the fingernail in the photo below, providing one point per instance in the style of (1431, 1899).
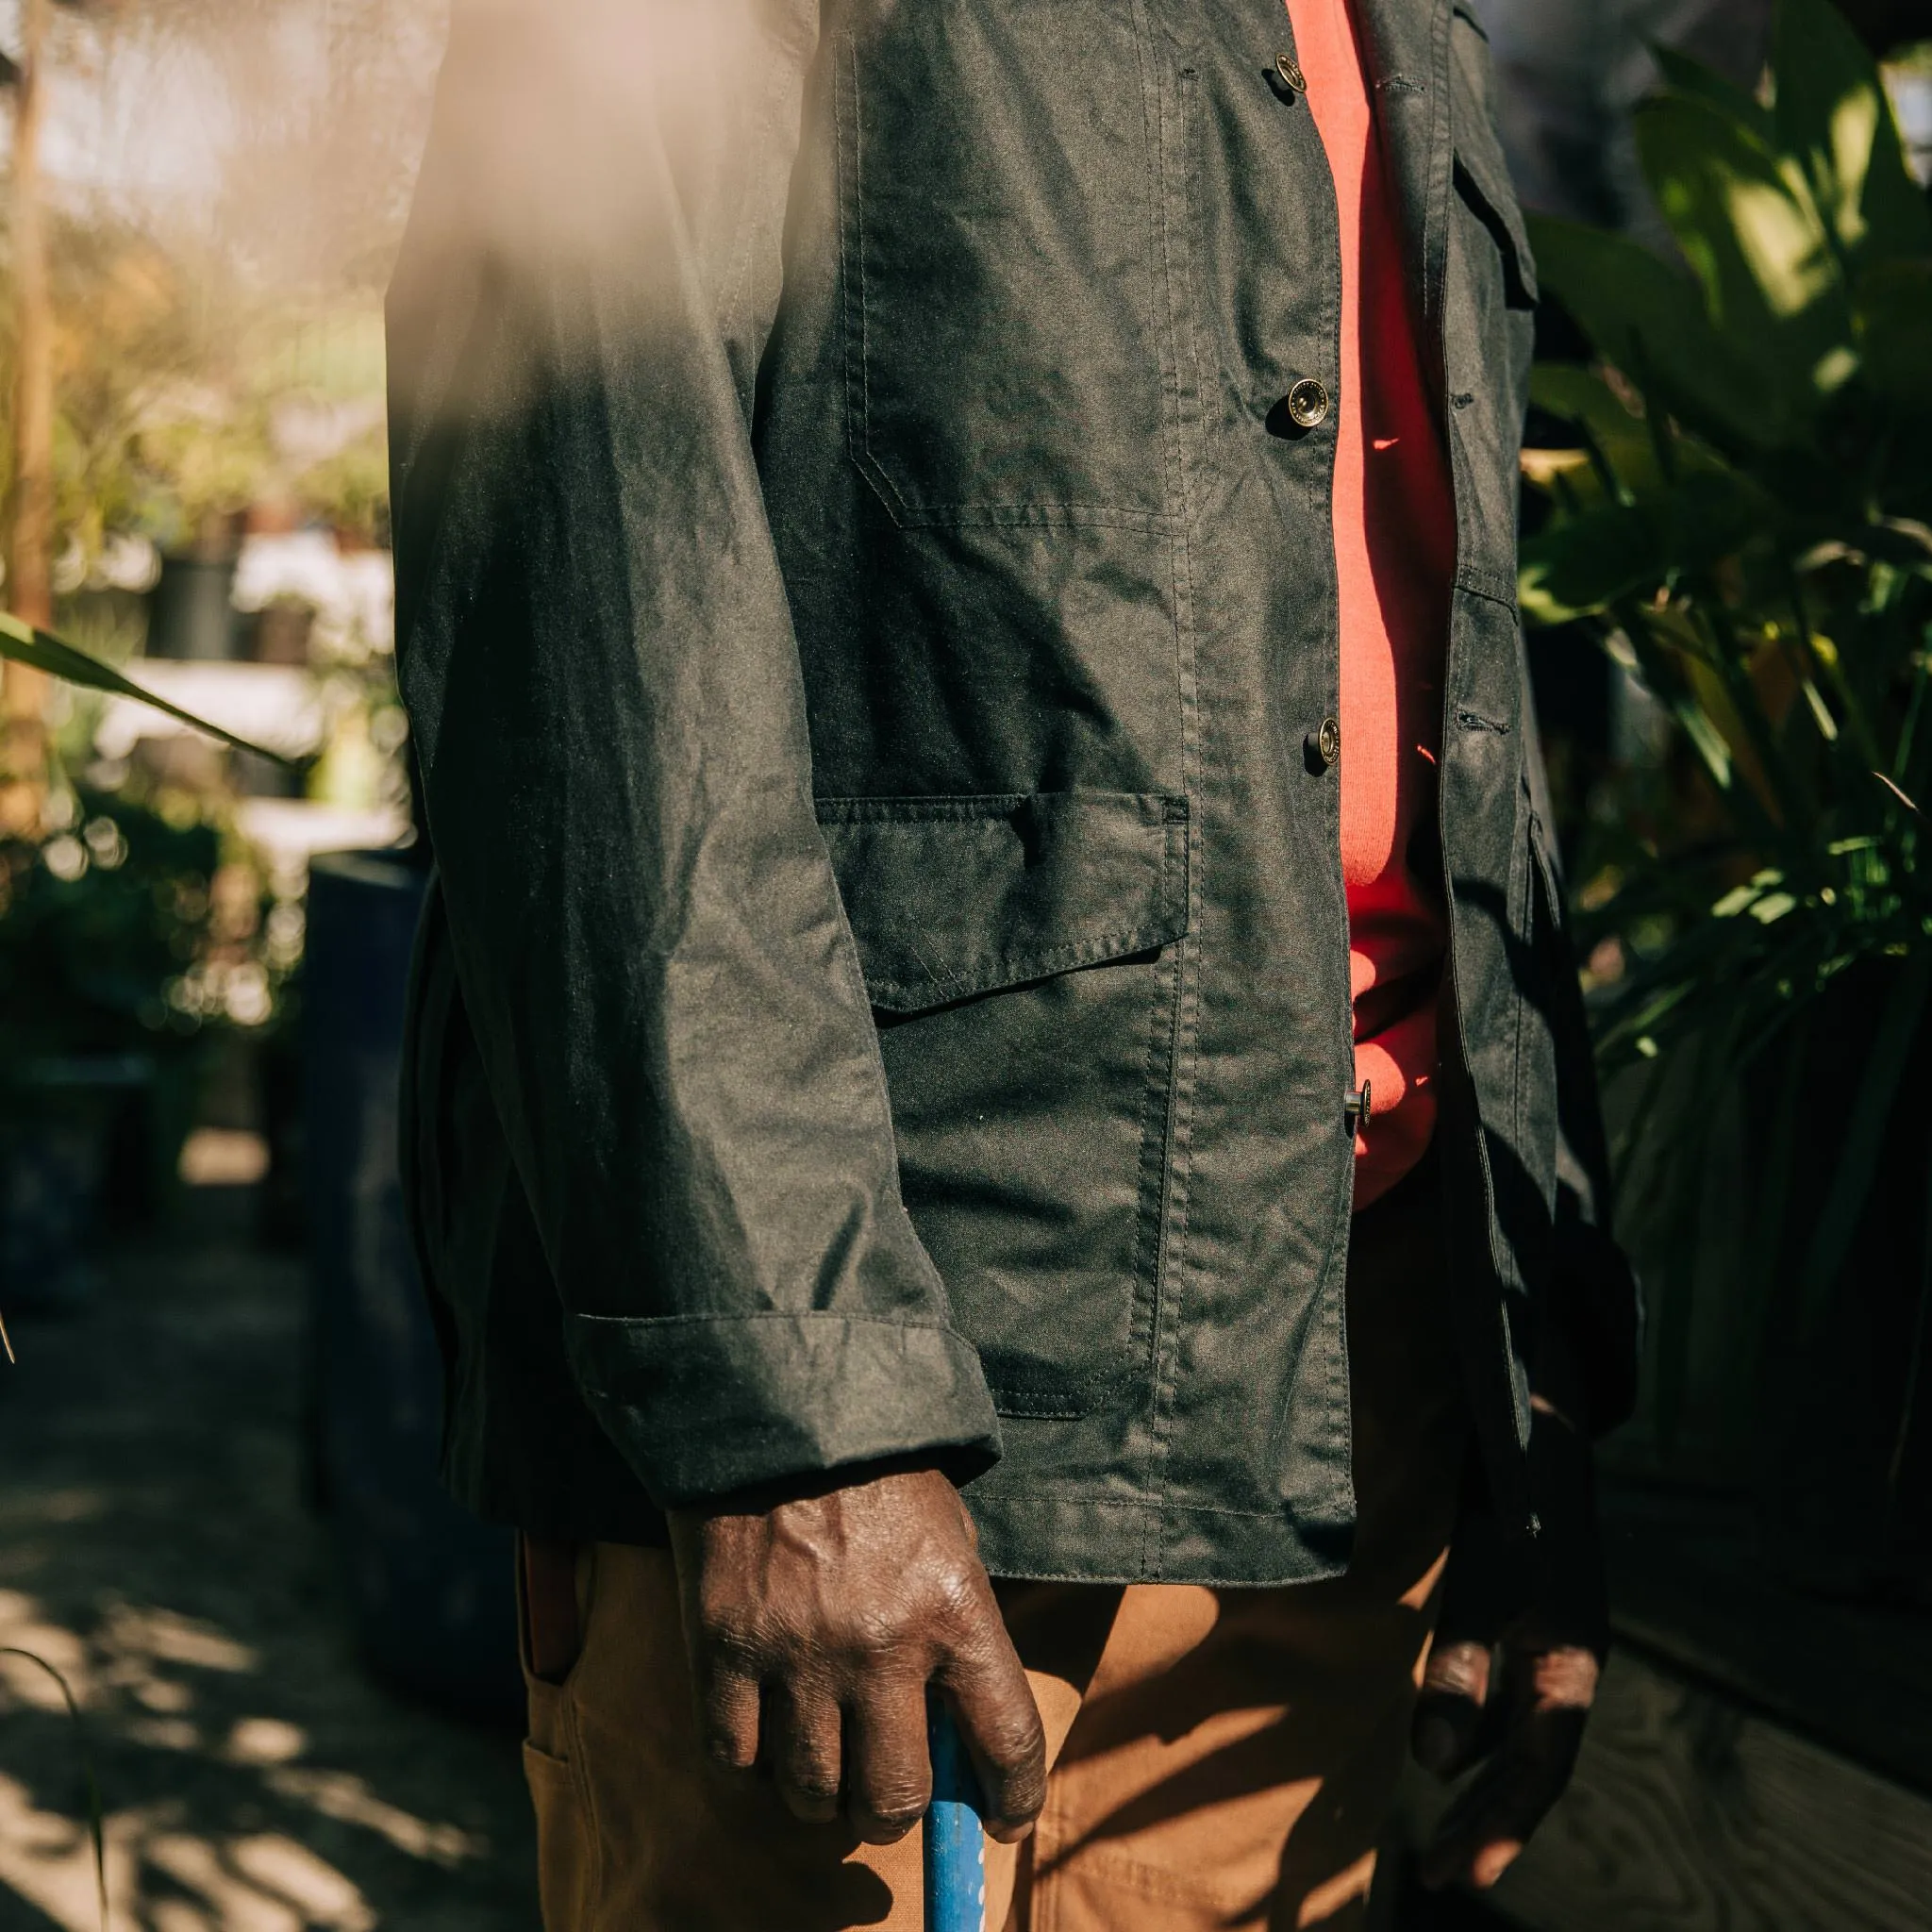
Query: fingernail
(1492, 1864)
(1435, 1745)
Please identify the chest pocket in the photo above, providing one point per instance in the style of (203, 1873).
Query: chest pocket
(998, 255)
(1482, 175)
(1489, 327)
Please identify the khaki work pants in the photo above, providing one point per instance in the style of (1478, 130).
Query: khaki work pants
(1220, 1758)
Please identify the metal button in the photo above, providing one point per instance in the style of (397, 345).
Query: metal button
(1361, 1105)
(1308, 403)
(1291, 74)
(1327, 742)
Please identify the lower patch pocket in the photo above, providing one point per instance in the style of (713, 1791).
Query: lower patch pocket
(1020, 952)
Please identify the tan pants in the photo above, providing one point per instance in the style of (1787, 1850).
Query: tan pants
(1221, 1759)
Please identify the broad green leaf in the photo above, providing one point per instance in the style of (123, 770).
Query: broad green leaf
(1834, 119)
(1579, 564)
(1582, 396)
(1688, 76)
(1894, 323)
(1773, 286)
(1620, 433)
(1645, 317)
(40, 650)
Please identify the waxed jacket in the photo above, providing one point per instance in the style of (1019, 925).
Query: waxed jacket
(868, 623)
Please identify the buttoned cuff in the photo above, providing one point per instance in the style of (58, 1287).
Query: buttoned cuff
(701, 1406)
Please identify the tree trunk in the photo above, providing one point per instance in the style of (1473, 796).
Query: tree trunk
(29, 567)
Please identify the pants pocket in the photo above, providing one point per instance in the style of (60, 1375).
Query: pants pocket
(565, 1850)
(566, 1841)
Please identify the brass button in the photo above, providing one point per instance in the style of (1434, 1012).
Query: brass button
(1361, 1106)
(1291, 75)
(1308, 403)
(1328, 741)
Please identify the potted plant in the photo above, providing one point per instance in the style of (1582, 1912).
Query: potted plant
(115, 954)
(105, 910)
(1744, 518)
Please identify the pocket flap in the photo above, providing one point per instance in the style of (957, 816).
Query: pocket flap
(949, 897)
(1482, 174)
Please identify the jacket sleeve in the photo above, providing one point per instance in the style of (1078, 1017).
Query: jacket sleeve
(597, 657)
(1596, 1302)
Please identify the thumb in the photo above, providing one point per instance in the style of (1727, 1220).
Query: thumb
(1481, 1594)
(1447, 1734)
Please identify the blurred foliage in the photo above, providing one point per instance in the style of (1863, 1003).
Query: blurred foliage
(172, 381)
(187, 325)
(349, 490)
(1744, 520)
(125, 929)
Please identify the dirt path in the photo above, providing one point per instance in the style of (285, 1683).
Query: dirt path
(154, 1546)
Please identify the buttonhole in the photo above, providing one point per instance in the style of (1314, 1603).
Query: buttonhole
(1463, 397)
(1475, 721)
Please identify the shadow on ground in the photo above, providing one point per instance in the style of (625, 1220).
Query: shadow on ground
(155, 1549)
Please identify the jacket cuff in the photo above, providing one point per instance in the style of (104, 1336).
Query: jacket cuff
(701, 1406)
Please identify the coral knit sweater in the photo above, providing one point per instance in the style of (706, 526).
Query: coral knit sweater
(1395, 556)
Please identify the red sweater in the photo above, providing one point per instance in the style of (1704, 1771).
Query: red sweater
(1394, 555)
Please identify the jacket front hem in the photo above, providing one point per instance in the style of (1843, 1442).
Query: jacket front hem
(1035, 1532)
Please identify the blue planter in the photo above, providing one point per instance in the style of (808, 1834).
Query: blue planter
(431, 1589)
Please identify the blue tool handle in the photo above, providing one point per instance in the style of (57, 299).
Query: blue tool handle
(954, 1840)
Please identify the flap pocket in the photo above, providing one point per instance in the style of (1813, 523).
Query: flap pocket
(950, 897)
(1482, 175)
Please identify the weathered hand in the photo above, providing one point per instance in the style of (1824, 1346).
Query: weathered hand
(814, 1626)
(1513, 1671)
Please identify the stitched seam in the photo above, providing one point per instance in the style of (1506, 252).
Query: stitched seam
(972, 515)
(1436, 208)
(911, 807)
(858, 342)
(987, 973)
(576, 1316)
(1480, 581)
(1154, 1127)
(1097, 1500)
(591, 1824)
(1171, 1268)
(1322, 1367)
(1027, 1407)
(1036, 505)
(1517, 1001)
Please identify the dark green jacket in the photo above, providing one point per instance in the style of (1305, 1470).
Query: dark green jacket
(867, 623)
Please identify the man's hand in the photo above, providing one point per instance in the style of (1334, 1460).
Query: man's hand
(814, 1628)
(1513, 1670)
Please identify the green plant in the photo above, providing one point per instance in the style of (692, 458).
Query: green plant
(40, 650)
(1745, 520)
